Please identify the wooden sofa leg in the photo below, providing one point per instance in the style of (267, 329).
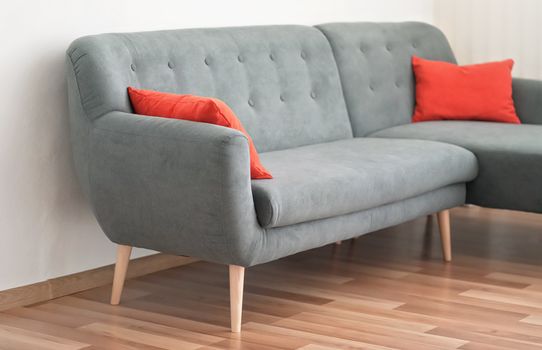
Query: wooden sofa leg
(123, 257)
(444, 227)
(237, 278)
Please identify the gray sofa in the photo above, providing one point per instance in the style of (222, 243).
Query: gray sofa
(329, 110)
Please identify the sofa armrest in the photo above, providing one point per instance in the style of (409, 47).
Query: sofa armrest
(174, 186)
(527, 95)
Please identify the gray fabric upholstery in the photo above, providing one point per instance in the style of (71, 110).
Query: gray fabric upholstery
(173, 186)
(281, 81)
(154, 183)
(287, 240)
(528, 100)
(374, 61)
(184, 188)
(509, 158)
(341, 177)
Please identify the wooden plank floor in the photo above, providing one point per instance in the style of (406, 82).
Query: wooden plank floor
(388, 290)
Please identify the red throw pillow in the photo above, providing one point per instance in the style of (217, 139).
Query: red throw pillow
(445, 91)
(198, 109)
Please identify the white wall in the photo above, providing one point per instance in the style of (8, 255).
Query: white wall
(485, 30)
(46, 228)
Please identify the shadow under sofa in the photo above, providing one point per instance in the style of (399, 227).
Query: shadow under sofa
(309, 97)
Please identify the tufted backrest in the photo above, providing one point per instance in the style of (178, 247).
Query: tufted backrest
(281, 81)
(374, 61)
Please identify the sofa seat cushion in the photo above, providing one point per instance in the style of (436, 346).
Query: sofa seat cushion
(342, 177)
(509, 158)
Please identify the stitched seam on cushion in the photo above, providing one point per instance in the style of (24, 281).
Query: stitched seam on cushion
(217, 110)
(135, 91)
(214, 104)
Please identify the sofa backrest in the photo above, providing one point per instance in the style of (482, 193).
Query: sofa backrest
(281, 81)
(374, 61)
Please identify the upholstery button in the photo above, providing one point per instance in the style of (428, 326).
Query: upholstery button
(313, 94)
(271, 57)
(371, 87)
(363, 49)
(133, 67)
(281, 98)
(206, 60)
(303, 55)
(170, 65)
(240, 58)
(388, 47)
(414, 45)
(397, 84)
(251, 103)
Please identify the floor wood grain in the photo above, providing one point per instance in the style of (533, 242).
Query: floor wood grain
(386, 290)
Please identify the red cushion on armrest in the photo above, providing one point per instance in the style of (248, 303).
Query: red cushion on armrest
(198, 109)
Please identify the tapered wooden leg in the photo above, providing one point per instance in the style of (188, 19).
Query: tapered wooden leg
(123, 257)
(237, 278)
(444, 226)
